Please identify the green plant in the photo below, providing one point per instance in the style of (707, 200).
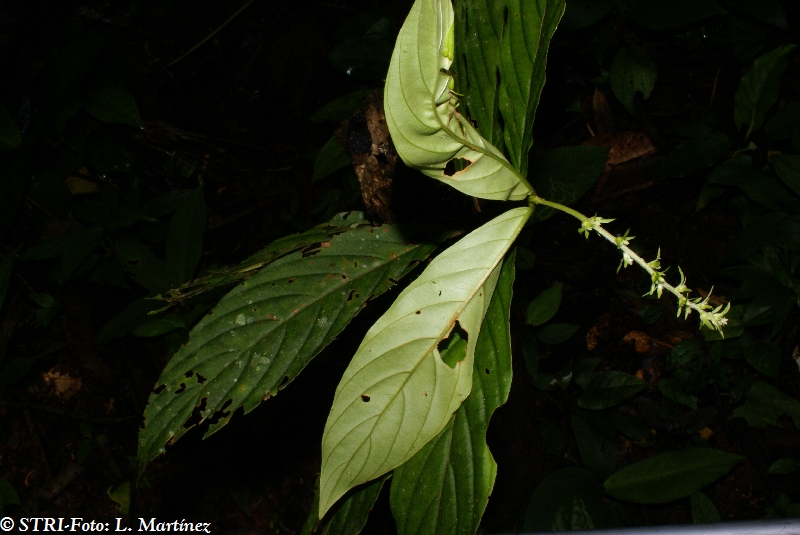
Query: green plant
(422, 386)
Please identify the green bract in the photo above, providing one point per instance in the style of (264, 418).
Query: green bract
(398, 393)
(421, 113)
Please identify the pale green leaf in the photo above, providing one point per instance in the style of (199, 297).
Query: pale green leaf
(758, 89)
(671, 475)
(398, 393)
(445, 487)
(266, 330)
(632, 71)
(426, 129)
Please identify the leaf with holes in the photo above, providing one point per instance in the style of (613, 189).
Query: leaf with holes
(421, 113)
(445, 487)
(309, 242)
(398, 392)
(265, 330)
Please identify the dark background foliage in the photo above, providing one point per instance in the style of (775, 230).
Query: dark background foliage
(120, 117)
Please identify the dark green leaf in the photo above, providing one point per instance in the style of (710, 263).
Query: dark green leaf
(126, 321)
(564, 174)
(632, 427)
(552, 437)
(368, 56)
(668, 15)
(143, 266)
(787, 167)
(695, 154)
(556, 490)
(6, 270)
(764, 357)
(185, 238)
(606, 389)
(758, 89)
(651, 313)
(703, 509)
(265, 331)
(113, 105)
(765, 404)
(107, 157)
(44, 300)
(521, 67)
(310, 242)
(596, 440)
(767, 11)
(671, 475)
(526, 259)
(673, 390)
(159, 326)
(330, 159)
(166, 203)
(632, 71)
(781, 125)
(14, 371)
(10, 136)
(15, 173)
(82, 244)
(445, 487)
(8, 496)
(350, 516)
(342, 108)
(544, 306)
(556, 333)
(583, 13)
(783, 466)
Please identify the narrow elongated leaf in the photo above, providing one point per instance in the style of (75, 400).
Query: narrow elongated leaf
(758, 89)
(670, 476)
(185, 238)
(398, 393)
(421, 115)
(523, 56)
(264, 331)
(445, 487)
(310, 242)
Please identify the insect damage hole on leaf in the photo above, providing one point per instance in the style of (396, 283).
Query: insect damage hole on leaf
(365, 398)
(455, 165)
(453, 349)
